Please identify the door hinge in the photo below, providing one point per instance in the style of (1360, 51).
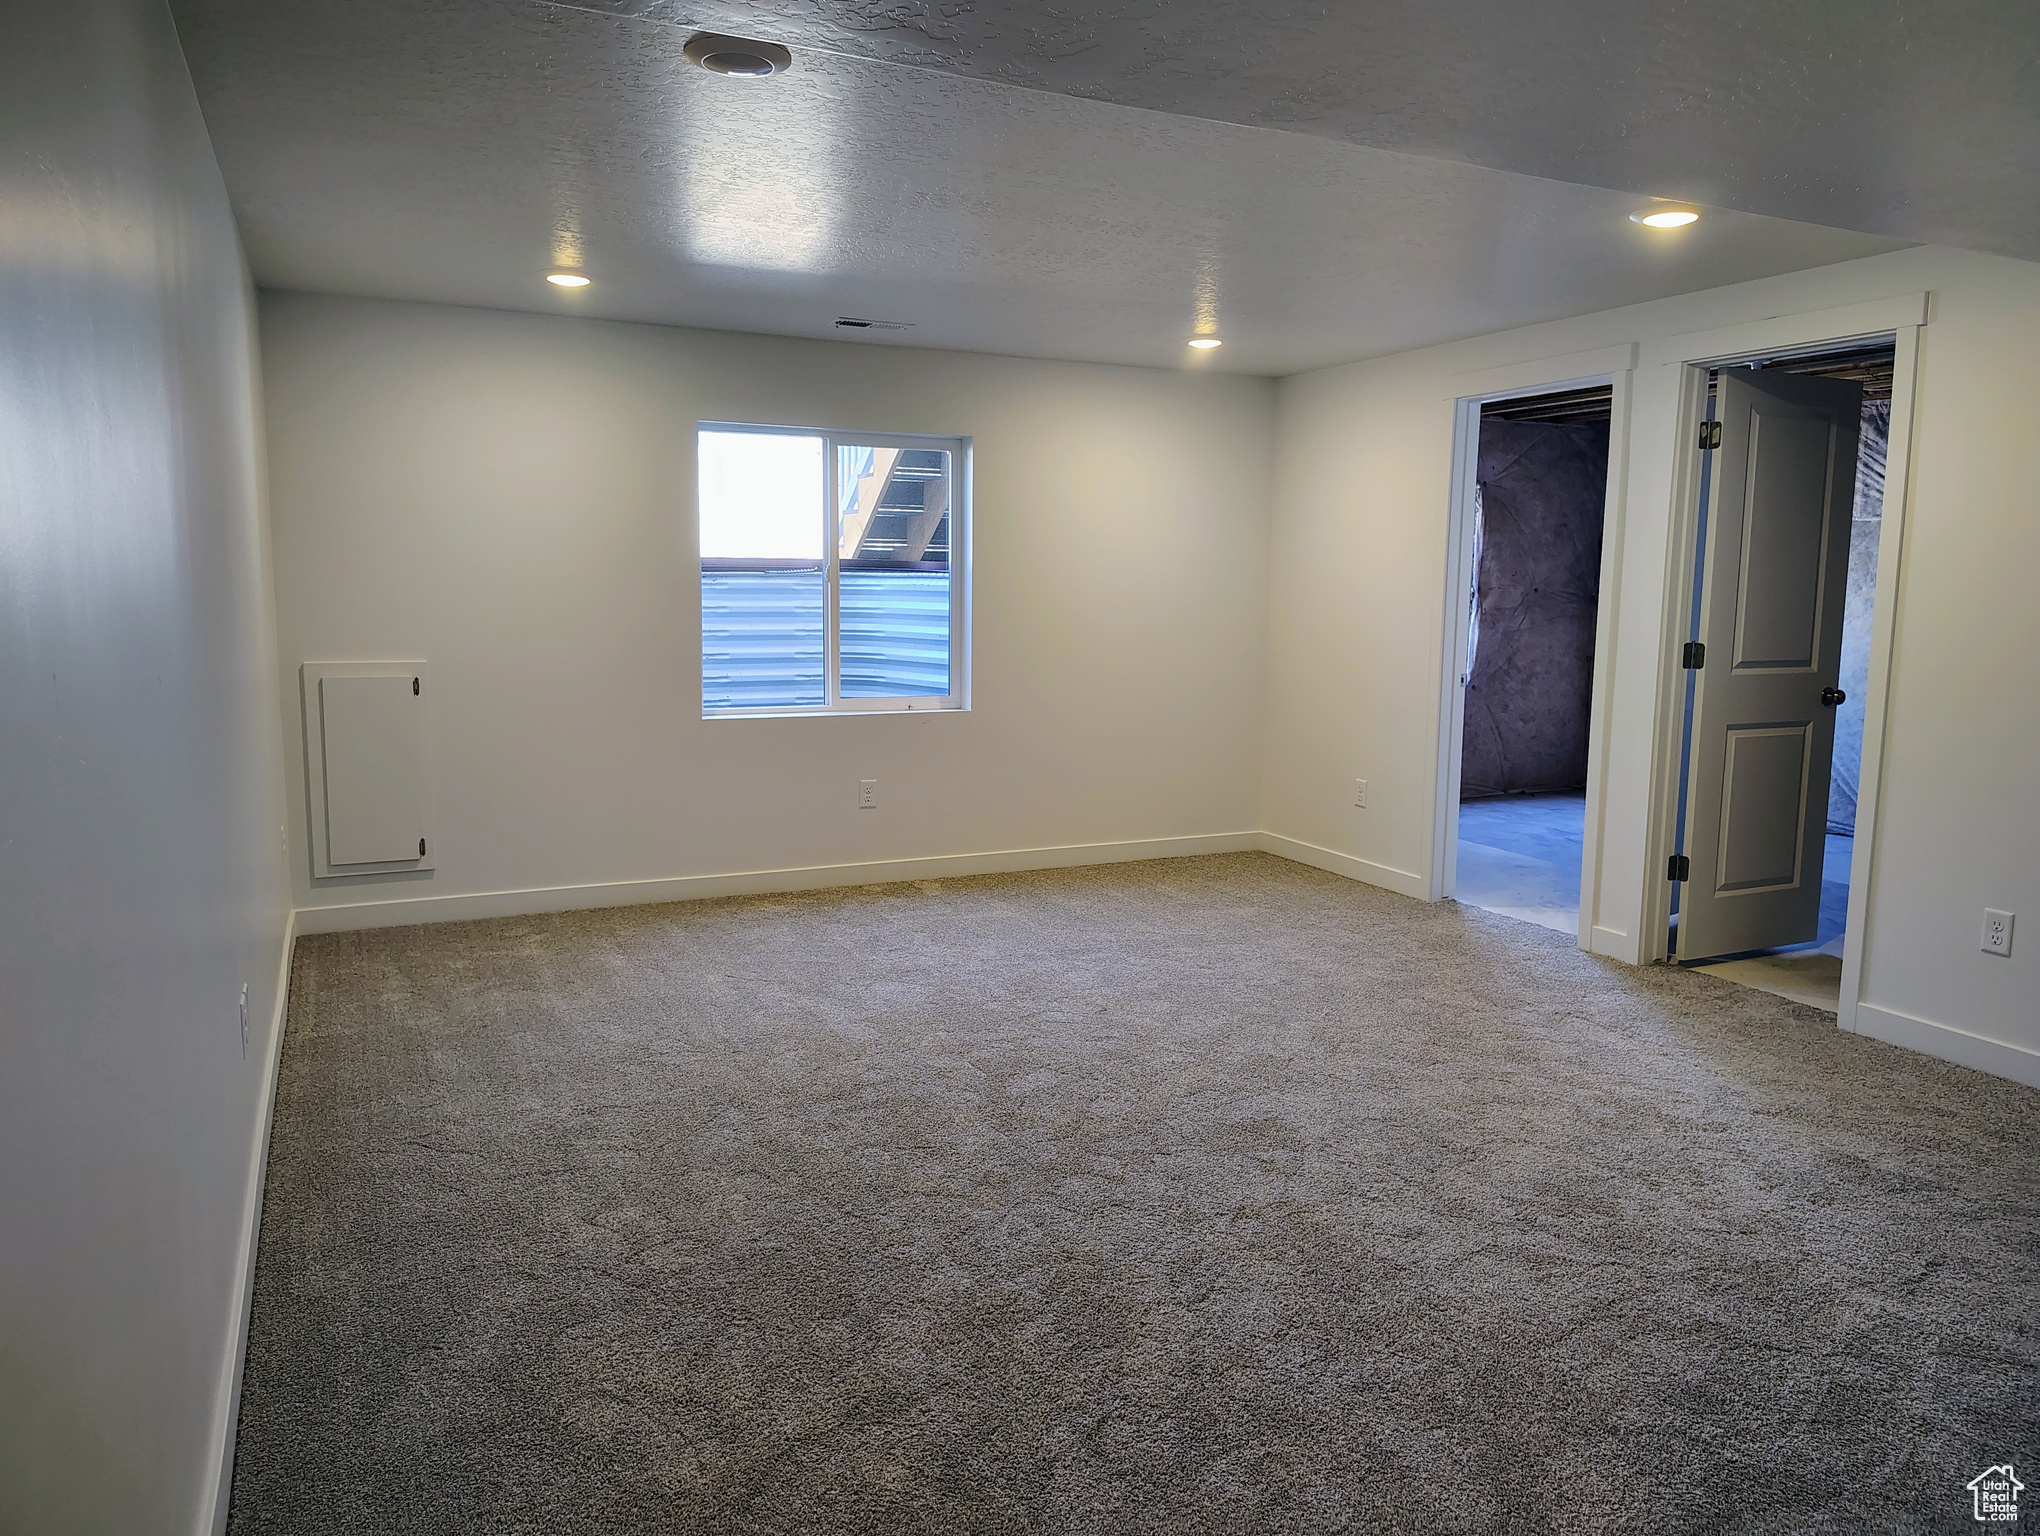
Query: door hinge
(1680, 868)
(1710, 434)
(421, 847)
(1694, 656)
(414, 687)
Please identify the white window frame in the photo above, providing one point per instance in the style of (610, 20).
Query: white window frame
(959, 450)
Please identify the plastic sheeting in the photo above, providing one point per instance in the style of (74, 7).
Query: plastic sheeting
(1537, 587)
(1864, 529)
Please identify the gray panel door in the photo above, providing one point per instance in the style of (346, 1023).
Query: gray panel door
(1780, 496)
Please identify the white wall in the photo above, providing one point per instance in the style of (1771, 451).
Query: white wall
(1357, 593)
(141, 868)
(509, 498)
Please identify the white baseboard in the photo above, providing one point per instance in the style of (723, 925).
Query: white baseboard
(1613, 943)
(1401, 881)
(621, 893)
(1996, 1057)
(227, 1404)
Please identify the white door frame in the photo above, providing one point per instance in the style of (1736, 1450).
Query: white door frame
(1613, 366)
(1900, 319)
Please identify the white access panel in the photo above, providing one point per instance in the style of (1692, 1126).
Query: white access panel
(367, 767)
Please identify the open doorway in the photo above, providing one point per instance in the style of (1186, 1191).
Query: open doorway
(1767, 809)
(1537, 512)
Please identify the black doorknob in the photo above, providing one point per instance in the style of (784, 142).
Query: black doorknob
(1833, 696)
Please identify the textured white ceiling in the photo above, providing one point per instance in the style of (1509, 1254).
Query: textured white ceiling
(1920, 121)
(453, 150)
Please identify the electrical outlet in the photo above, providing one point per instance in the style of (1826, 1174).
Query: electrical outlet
(867, 794)
(244, 1021)
(1997, 932)
(1360, 793)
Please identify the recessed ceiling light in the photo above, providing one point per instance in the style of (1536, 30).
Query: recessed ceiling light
(1665, 218)
(566, 279)
(1205, 343)
(738, 56)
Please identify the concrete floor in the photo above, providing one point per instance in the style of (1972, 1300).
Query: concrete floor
(1806, 973)
(1519, 855)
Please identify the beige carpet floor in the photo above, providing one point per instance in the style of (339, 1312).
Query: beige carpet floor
(1212, 1195)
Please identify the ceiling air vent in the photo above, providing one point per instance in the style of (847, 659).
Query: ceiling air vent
(737, 55)
(853, 323)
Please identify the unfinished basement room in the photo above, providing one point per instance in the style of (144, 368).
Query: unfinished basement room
(784, 768)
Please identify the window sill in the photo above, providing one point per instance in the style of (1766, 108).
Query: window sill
(834, 714)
